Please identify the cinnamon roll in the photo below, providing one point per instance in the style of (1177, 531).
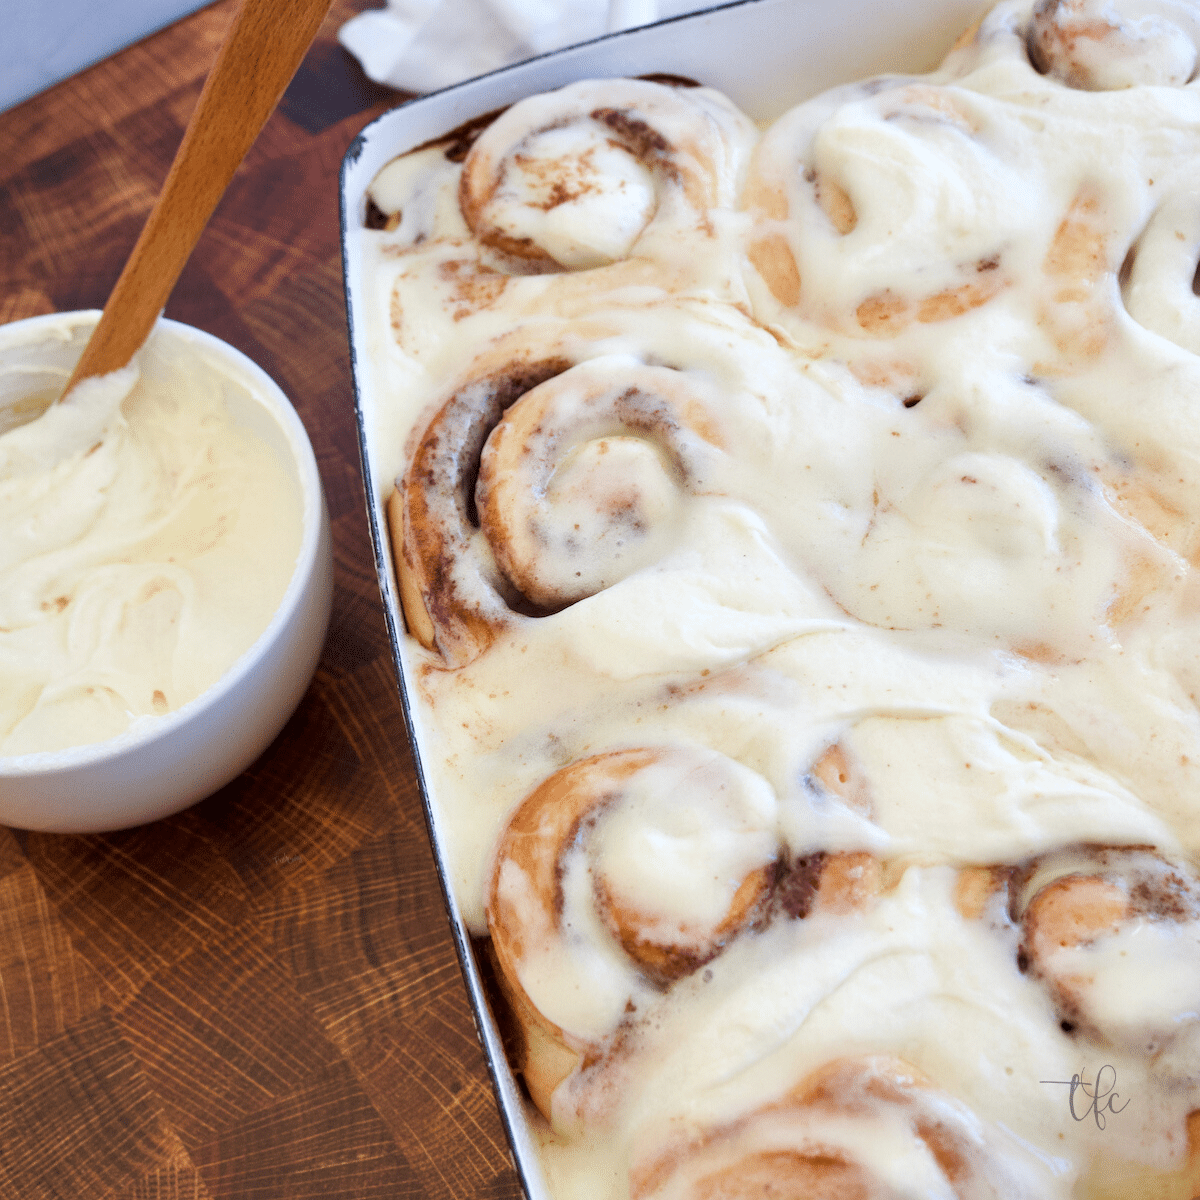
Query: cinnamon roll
(599, 170)
(618, 875)
(857, 196)
(872, 1127)
(600, 189)
(627, 871)
(1103, 45)
(542, 481)
(987, 543)
(1114, 935)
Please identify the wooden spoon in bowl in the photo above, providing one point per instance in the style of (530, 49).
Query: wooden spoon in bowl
(256, 62)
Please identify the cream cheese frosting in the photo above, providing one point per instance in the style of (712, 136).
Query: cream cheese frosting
(149, 535)
(923, 577)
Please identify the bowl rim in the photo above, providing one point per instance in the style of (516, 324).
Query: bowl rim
(146, 731)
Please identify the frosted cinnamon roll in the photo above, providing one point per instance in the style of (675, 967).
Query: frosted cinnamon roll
(609, 188)
(542, 481)
(987, 543)
(871, 1127)
(627, 871)
(584, 176)
(1103, 45)
(1114, 935)
(860, 198)
(618, 875)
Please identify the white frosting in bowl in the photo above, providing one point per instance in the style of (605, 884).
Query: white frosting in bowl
(151, 538)
(167, 543)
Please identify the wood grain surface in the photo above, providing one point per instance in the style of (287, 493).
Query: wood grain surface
(258, 998)
(264, 45)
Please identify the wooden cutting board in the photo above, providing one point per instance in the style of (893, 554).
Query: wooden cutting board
(258, 998)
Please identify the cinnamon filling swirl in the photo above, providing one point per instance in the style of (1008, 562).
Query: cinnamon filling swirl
(1080, 266)
(451, 602)
(541, 483)
(619, 875)
(626, 872)
(579, 483)
(575, 178)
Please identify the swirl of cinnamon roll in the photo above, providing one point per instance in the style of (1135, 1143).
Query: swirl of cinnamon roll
(1160, 291)
(873, 1126)
(563, 521)
(623, 873)
(1103, 45)
(542, 481)
(578, 178)
(1114, 935)
(861, 198)
(616, 876)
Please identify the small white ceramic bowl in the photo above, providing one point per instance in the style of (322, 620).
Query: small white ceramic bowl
(162, 764)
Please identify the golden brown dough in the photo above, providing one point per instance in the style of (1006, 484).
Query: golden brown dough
(569, 469)
(450, 603)
(526, 901)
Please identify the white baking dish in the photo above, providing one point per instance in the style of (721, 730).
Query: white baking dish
(766, 55)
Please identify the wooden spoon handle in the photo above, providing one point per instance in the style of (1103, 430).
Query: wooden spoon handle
(260, 54)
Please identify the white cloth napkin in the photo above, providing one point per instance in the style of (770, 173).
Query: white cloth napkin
(423, 45)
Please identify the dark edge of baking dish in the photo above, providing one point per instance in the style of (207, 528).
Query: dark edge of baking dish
(653, 48)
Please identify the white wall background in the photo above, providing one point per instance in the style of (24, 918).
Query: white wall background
(44, 41)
